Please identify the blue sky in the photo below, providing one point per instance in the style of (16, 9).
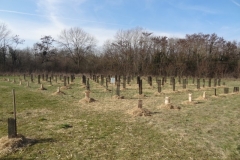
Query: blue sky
(32, 19)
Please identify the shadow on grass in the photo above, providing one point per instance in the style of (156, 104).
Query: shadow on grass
(156, 112)
(31, 141)
(45, 140)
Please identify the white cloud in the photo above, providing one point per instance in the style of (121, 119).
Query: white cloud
(169, 34)
(101, 34)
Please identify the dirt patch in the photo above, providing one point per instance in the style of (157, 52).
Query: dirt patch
(9, 145)
(140, 96)
(42, 88)
(201, 98)
(117, 97)
(190, 103)
(87, 100)
(58, 93)
(66, 87)
(170, 106)
(159, 94)
(140, 112)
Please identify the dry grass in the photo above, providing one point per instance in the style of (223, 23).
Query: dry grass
(63, 128)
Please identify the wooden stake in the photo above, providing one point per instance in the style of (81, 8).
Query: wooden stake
(14, 112)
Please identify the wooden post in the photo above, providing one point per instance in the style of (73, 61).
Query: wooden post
(118, 88)
(102, 80)
(84, 79)
(173, 83)
(184, 83)
(72, 77)
(128, 79)
(107, 83)
(97, 79)
(226, 90)
(64, 79)
(140, 86)
(215, 82)
(32, 78)
(138, 79)
(139, 103)
(203, 82)
(159, 86)
(219, 82)
(198, 83)
(38, 79)
(163, 80)
(124, 82)
(150, 80)
(209, 82)
(12, 122)
(88, 85)
(12, 128)
(46, 77)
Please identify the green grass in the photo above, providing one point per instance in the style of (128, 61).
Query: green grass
(63, 128)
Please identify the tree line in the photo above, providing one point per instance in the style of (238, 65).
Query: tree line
(131, 52)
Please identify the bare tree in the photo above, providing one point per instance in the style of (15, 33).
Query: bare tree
(77, 43)
(4, 40)
(45, 49)
(13, 51)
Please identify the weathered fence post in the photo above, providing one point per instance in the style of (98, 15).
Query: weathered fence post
(140, 86)
(12, 122)
(198, 83)
(64, 81)
(219, 82)
(226, 90)
(118, 88)
(139, 103)
(124, 82)
(173, 83)
(209, 82)
(184, 83)
(215, 82)
(159, 86)
(203, 82)
(39, 79)
(88, 85)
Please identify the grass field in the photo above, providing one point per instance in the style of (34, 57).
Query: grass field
(61, 127)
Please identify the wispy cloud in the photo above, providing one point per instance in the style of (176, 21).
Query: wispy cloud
(236, 3)
(56, 18)
(198, 8)
(192, 7)
(24, 13)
